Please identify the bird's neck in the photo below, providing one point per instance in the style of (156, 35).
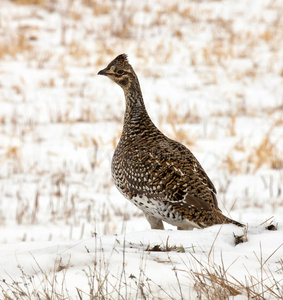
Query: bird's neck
(135, 114)
(135, 108)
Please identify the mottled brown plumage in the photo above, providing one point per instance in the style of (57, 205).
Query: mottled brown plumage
(159, 175)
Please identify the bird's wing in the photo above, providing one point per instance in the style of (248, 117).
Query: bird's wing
(191, 165)
(168, 172)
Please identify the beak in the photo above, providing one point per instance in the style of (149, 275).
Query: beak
(102, 72)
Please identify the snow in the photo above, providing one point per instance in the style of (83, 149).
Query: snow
(128, 253)
(211, 76)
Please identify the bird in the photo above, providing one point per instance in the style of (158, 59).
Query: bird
(159, 175)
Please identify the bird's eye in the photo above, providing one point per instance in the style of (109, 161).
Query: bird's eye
(120, 72)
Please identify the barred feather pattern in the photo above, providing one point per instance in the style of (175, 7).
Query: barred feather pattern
(159, 175)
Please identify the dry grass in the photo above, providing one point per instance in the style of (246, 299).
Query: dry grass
(101, 8)
(102, 283)
(78, 51)
(31, 2)
(266, 153)
(165, 248)
(231, 165)
(190, 116)
(210, 280)
(44, 285)
(213, 281)
(17, 44)
(232, 129)
(179, 122)
(50, 83)
(183, 136)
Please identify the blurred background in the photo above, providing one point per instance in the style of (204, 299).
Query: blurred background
(211, 73)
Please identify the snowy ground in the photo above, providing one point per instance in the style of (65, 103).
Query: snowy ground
(132, 270)
(212, 77)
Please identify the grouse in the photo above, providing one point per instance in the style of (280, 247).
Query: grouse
(159, 175)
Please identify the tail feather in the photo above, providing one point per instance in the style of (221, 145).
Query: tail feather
(221, 219)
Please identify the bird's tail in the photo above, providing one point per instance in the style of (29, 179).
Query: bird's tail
(221, 219)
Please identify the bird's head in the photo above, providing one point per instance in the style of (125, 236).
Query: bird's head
(120, 71)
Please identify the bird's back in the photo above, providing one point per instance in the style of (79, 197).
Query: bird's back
(147, 162)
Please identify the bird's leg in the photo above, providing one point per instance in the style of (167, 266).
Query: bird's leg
(154, 222)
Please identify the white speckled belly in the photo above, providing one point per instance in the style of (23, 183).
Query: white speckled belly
(163, 211)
